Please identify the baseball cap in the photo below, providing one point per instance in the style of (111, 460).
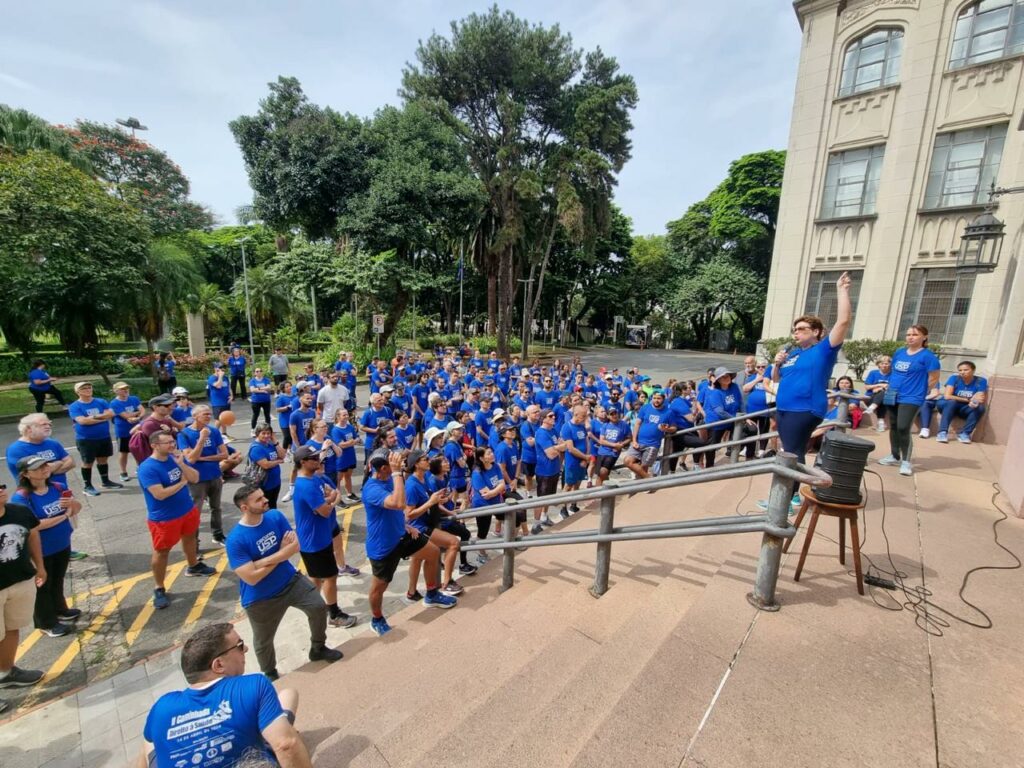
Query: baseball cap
(119, 385)
(31, 462)
(161, 400)
(177, 391)
(378, 461)
(299, 385)
(304, 452)
(386, 388)
(412, 458)
(616, 411)
(79, 386)
(452, 426)
(430, 434)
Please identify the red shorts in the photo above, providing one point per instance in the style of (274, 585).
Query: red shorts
(167, 533)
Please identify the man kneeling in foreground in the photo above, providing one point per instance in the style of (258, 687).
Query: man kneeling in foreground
(223, 711)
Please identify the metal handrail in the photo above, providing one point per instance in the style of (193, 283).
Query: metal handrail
(773, 525)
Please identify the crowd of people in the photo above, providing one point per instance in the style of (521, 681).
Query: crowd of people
(436, 434)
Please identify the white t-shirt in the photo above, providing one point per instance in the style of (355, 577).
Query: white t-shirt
(330, 399)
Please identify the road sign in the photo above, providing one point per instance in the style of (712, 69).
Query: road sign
(378, 323)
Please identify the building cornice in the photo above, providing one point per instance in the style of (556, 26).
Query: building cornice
(804, 8)
(851, 15)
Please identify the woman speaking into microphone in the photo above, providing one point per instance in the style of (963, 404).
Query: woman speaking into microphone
(802, 370)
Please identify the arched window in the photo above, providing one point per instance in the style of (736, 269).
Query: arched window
(987, 30)
(872, 61)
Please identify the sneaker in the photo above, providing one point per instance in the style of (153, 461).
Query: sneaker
(380, 626)
(348, 570)
(200, 569)
(574, 508)
(90, 490)
(230, 475)
(467, 570)
(537, 528)
(889, 461)
(57, 630)
(964, 438)
(124, 478)
(796, 501)
(20, 678)
(546, 521)
(343, 620)
(452, 588)
(160, 598)
(78, 555)
(353, 498)
(563, 513)
(111, 484)
(871, 408)
(881, 425)
(69, 614)
(925, 433)
(330, 655)
(906, 469)
(252, 433)
(287, 495)
(271, 675)
(482, 558)
(942, 437)
(412, 599)
(219, 540)
(434, 599)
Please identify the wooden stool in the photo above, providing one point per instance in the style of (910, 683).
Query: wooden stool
(844, 512)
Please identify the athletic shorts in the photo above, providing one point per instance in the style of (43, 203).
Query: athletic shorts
(574, 473)
(384, 569)
(547, 486)
(607, 462)
(219, 409)
(648, 454)
(320, 565)
(166, 533)
(122, 444)
(90, 450)
(16, 605)
(529, 468)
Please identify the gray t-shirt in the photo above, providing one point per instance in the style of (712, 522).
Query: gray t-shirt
(279, 365)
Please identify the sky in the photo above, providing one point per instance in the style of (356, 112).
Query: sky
(715, 79)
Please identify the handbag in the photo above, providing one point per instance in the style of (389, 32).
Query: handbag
(254, 474)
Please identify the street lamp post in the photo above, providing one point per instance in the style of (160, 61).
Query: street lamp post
(245, 282)
(982, 240)
(526, 323)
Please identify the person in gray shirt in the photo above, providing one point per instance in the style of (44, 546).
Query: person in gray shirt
(279, 365)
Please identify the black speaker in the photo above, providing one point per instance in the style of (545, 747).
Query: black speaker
(843, 457)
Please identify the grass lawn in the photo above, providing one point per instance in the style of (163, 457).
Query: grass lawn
(18, 402)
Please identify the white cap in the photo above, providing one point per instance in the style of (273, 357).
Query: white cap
(179, 391)
(430, 434)
(499, 414)
(452, 426)
(386, 388)
(303, 384)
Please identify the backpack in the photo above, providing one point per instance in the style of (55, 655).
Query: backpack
(138, 447)
(254, 474)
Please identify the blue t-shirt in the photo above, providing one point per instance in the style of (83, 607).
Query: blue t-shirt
(651, 419)
(36, 377)
(182, 415)
(219, 396)
(876, 377)
(92, 409)
(420, 395)
(314, 531)
(546, 467)
(122, 408)
(188, 438)
(236, 365)
(508, 456)
(546, 399)
(680, 408)
(406, 435)
(384, 527)
(369, 420)
(401, 403)
(963, 389)
(757, 398)
(453, 452)
(577, 435)
(909, 375)
(260, 452)
(484, 479)
(152, 471)
(227, 718)
(803, 379)
(49, 449)
(340, 434)
(722, 404)
(301, 419)
(482, 423)
(45, 506)
(283, 417)
(416, 495)
(614, 433)
(528, 452)
(259, 397)
(248, 543)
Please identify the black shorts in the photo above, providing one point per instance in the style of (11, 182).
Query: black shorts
(547, 486)
(219, 409)
(320, 565)
(90, 450)
(607, 462)
(122, 444)
(529, 468)
(385, 568)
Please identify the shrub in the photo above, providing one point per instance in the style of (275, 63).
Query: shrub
(772, 346)
(362, 355)
(488, 344)
(15, 368)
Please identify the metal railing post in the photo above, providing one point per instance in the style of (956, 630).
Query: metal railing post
(508, 559)
(737, 434)
(603, 564)
(843, 414)
(763, 596)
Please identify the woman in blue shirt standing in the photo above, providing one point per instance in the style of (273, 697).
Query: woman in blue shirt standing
(802, 370)
(915, 371)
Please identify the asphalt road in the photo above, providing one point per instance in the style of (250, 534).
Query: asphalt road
(114, 589)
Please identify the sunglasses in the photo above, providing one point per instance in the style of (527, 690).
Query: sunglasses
(240, 645)
(3, 486)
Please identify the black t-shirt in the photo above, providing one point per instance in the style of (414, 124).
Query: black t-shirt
(15, 560)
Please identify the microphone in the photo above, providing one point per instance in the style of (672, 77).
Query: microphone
(787, 349)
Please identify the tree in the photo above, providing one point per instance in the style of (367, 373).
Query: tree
(715, 287)
(168, 275)
(142, 176)
(21, 131)
(269, 299)
(303, 161)
(211, 303)
(69, 252)
(545, 131)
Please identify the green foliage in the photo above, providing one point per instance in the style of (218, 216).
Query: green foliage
(14, 369)
(488, 344)
(169, 274)
(142, 176)
(427, 343)
(21, 132)
(861, 354)
(774, 345)
(362, 354)
(424, 326)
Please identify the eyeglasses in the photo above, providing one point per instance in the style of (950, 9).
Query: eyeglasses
(240, 645)
(3, 486)
(802, 328)
(761, 366)
(258, 370)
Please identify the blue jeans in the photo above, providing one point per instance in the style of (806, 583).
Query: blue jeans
(928, 407)
(952, 408)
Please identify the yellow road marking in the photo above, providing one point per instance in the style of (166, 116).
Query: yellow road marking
(147, 610)
(65, 659)
(344, 530)
(27, 643)
(206, 592)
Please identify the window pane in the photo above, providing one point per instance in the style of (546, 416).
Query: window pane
(963, 166)
(988, 46)
(871, 61)
(821, 294)
(940, 300)
(847, 180)
(991, 20)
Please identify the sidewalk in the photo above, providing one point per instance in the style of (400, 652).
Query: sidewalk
(832, 679)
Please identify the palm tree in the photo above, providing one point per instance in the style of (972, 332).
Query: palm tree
(269, 300)
(209, 302)
(168, 274)
(22, 132)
